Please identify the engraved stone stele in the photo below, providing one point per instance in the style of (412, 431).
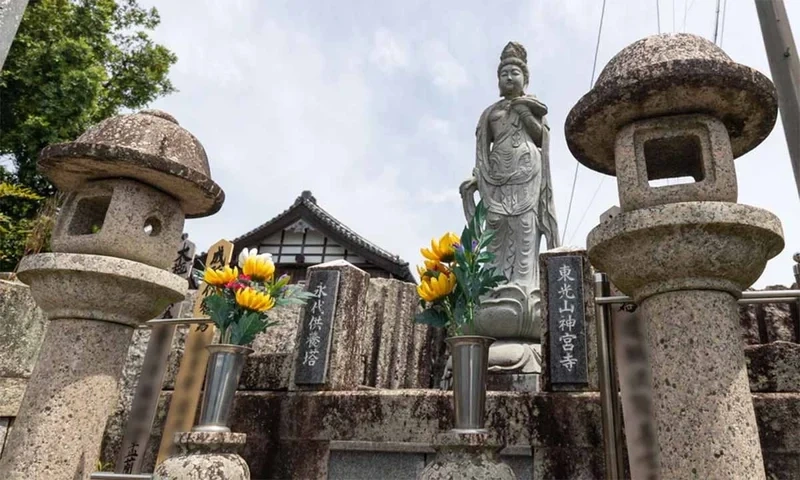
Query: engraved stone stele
(472, 456)
(205, 456)
(668, 106)
(512, 176)
(130, 181)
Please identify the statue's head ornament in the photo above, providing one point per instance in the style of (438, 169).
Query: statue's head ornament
(514, 54)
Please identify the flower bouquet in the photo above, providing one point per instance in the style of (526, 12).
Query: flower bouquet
(456, 275)
(238, 305)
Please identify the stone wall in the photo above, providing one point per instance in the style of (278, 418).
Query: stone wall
(22, 328)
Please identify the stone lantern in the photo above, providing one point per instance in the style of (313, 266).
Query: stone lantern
(130, 181)
(676, 106)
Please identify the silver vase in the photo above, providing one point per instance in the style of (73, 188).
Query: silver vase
(470, 355)
(225, 363)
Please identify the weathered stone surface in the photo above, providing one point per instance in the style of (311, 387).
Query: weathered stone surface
(12, 390)
(590, 327)
(350, 465)
(467, 456)
(748, 320)
(97, 287)
(205, 456)
(727, 241)
(702, 403)
(395, 346)
(774, 367)
(148, 146)
(778, 416)
(670, 74)
(779, 323)
(346, 357)
(24, 325)
(678, 146)
(120, 218)
(66, 405)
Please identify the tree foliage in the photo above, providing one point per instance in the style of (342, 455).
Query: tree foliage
(72, 64)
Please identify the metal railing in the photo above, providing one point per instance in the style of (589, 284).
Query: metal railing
(609, 398)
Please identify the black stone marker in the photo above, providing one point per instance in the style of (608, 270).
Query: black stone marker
(567, 321)
(316, 332)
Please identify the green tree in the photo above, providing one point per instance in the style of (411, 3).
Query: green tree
(72, 64)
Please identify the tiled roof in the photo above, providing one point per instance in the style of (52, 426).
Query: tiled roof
(396, 265)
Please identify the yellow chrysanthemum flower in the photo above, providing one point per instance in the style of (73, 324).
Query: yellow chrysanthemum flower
(254, 300)
(443, 250)
(431, 266)
(259, 267)
(219, 278)
(432, 288)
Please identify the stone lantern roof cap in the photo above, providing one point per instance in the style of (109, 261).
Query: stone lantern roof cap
(670, 74)
(149, 146)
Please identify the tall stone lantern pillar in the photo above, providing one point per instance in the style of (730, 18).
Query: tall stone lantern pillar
(131, 181)
(672, 106)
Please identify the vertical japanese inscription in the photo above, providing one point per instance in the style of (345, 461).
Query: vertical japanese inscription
(316, 331)
(567, 325)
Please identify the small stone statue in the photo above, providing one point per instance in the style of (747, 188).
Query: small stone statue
(512, 176)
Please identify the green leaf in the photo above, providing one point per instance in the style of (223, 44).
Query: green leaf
(432, 317)
(220, 310)
(246, 329)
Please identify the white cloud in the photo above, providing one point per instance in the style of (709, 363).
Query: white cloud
(445, 70)
(286, 98)
(389, 53)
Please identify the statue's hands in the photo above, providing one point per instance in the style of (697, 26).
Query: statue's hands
(529, 104)
(467, 185)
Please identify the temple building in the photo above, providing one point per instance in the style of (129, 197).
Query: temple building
(305, 235)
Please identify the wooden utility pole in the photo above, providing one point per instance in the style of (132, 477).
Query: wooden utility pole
(784, 63)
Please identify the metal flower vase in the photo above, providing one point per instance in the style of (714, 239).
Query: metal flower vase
(225, 364)
(470, 355)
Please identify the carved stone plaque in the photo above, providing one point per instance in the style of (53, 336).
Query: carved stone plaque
(316, 331)
(567, 321)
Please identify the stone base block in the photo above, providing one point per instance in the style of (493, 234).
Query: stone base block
(11, 392)
(512, 382)
(205, 456)
(468, 456)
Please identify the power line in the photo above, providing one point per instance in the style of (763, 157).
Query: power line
(673, 16)
(658, 17)
(580, 222)
(685, 11)
(591, 83)
(716, 23)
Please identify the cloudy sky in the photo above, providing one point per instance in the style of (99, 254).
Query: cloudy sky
(373, 105)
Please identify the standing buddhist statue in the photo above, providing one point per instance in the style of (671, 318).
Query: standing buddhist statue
(512, 176)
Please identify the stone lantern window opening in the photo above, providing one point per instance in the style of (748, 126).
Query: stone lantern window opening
(152, 226)
(679, 158)
(89, 216)
(693, 149)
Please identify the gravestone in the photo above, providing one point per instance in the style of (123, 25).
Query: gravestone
(569, 345)
(316, 330)
(341, 318)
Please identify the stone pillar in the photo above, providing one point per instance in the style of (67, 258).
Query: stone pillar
(684, 251)
(130, 180)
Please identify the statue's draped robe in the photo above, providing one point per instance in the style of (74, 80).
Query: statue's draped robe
(514, 182)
